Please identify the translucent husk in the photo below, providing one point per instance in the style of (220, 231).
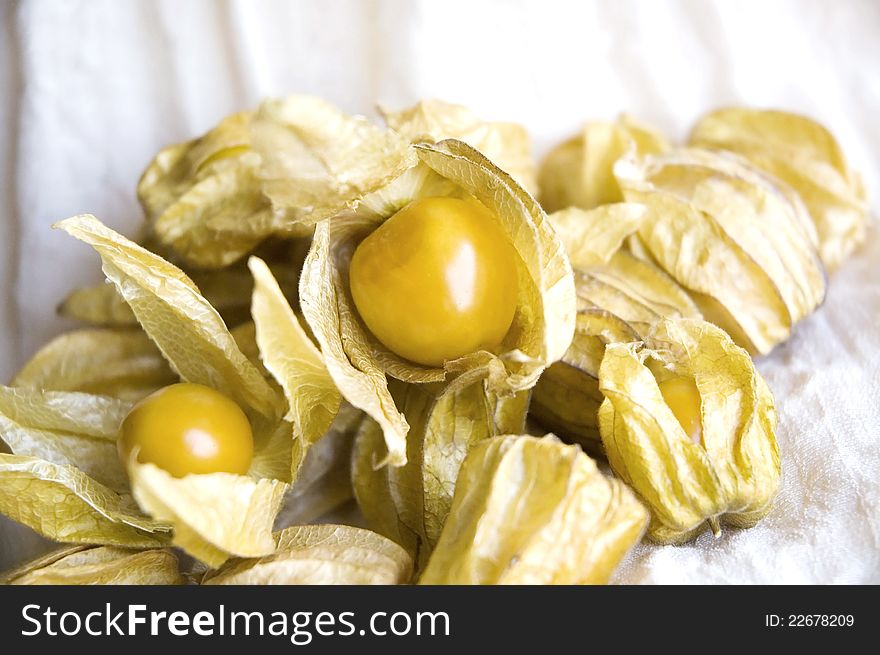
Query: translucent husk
(316, 161)
(732, 475)
(409, 504)
(321, 554)
(508, 145)
(579, 172)
(620, 300)
(203, 198)
(59, 439)
(360, 366)
(534, 511)
(118, 362)
(805, 156)
(62, 503)
(269, 173)
(740, 243)
(228, 289)
(99, 565)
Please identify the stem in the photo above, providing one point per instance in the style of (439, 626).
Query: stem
(715, 526)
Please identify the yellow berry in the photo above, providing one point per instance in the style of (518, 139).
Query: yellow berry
(436, 281)
(188, 428)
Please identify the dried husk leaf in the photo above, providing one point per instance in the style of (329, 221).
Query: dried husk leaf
(534, 511)
(289, 354)
(203, 198)
(542, 326)
(228, 290)
(315, 160)
(98, 305)
(591, 237)
(216, 515)
(804, 155)
(579, 172)
(64, 504)
(169, 307)
(362, 384)
(101, 565)
(409, 504)
(733, 474)
(321, 554)
(742, 244)
(620, 299)
(508, 145)
(323, 482)
(66, 428)
(122, 363)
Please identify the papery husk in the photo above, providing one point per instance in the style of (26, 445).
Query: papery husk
(620, 299)
(100, 565)
(274, 172)
(409, 504)
(321, 554)
(315, 161)
(171, 310)
(296, 364)
(323, 482)
(731, 477)
(579, 172)
(217, 515)
(203, 198)
(804, 155)
(592, 237)
(66, 428)
(741, 244)
(64, 504)
(508, 145)
(121, 363)
(534, 511)
(228, 290)
(542, 326)
(98, 305)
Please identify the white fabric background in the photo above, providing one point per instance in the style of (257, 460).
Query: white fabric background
(89, 91)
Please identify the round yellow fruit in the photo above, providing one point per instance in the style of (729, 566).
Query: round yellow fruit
(436, 281)
(683, 398)
(188, 429)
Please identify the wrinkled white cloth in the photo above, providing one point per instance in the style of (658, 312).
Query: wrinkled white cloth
(89, 91)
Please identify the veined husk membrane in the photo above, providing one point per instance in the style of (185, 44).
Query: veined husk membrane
(620, 299)
(804, 155)
(422, 419)
(580, 171)
(534, 511)
(732, 473)
(743, 221)
(63, 441)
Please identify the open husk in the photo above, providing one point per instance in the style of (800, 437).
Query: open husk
(360, 366)
(71, 485)
(732, 474)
